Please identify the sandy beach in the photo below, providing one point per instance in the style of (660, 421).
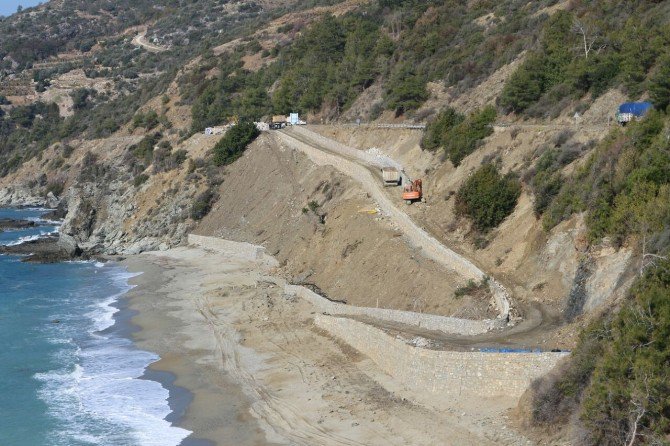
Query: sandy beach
(260, 372)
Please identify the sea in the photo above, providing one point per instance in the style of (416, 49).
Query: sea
(69, 373)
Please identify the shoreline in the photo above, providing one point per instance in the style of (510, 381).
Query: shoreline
(262, 372)
(202, 399)
(179, 397)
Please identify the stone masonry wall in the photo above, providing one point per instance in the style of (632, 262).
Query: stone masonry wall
(245, 251)
(445, 372)
(444, 324)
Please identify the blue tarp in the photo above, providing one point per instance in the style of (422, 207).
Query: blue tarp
(636, 108)
(515, 350)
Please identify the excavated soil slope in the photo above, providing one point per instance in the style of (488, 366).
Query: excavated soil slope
(325, 231)
(537, 267)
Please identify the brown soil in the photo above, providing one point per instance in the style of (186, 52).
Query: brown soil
(343, 246)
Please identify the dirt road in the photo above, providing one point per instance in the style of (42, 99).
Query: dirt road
(140, 40)
(357, 164)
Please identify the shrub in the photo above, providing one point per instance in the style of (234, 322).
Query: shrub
(487, 197)
(406, 91)
(203, 204)
(525, 86)
(659, 87)
(437, 130)
(56, 187)
(234, 143)
(627, 396)
(67, 150)
(140, 179)
(472, 287)
(618, 376)
(556, 396)
(313, 206)
(147, 120)
(546, 185)
(464, 138)
(144, 150)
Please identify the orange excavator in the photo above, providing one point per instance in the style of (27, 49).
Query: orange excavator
(413, 192)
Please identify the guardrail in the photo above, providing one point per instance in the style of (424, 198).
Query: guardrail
(379, 126)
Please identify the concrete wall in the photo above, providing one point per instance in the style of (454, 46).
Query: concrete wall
(445, 372)
(241, 250)
(428, 321)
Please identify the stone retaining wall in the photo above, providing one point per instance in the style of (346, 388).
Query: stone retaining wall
(445, 372)
(241, 250)
(444, 324)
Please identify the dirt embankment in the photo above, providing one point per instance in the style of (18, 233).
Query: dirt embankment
(325, 230)
(537, 267)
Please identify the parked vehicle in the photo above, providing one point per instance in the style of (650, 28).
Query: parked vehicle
(391, 176)
(278, 122)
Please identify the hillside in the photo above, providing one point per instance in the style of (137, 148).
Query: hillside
(526, 174)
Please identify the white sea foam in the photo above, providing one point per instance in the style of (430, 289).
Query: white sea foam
(45, 221)
(101, 400)
(29, 238)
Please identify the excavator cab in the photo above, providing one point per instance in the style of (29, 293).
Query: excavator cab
(412, 192)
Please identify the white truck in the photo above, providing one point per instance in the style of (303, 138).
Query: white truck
(391, 176)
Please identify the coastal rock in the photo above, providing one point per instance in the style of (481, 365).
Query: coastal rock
(10, 223)
(52, 201)
(68, 244)
(21, 196)
(43, 250)
(141, 246)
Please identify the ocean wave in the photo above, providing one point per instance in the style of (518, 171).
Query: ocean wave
(30, 238)
(104, 400)
(98, 394)
(45, 221)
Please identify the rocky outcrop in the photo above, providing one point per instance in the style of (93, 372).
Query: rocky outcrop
(25, 196)
(10, 223)
(105, 218)
(43, 250)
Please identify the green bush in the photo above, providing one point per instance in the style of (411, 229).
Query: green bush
(659, 87)
(140, 179)
(630, 384)
(625, 50)
(487, 197)
(624, 185)
(202, 204)
(457, 135)
(437, 130)
(144, 150)
(406, 91)
(472, 288)
(525, 87)
(147, 120)
(465, 137)
(234, 143)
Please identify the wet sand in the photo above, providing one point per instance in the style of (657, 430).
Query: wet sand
(204, 400)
